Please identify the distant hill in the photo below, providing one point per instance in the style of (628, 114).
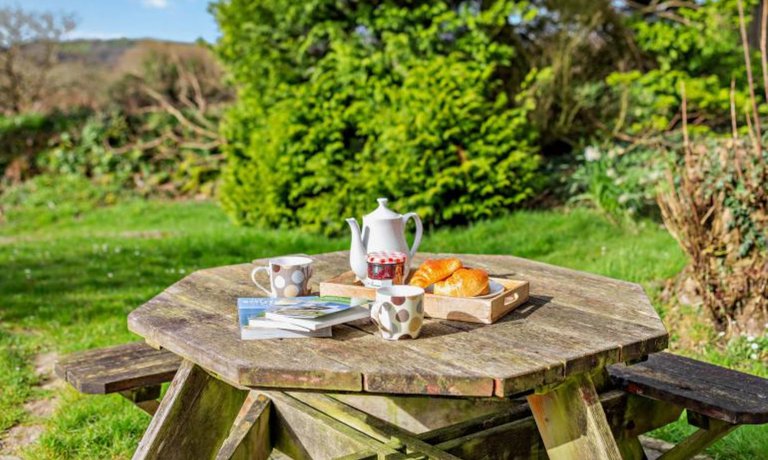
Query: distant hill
(105, 53)
(87, 70)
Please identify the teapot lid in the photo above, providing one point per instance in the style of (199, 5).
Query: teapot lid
(383, 212)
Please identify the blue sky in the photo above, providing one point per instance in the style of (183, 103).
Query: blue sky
(178, 20)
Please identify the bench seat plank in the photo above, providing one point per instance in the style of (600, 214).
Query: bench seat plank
(716, 392)
(118, 368)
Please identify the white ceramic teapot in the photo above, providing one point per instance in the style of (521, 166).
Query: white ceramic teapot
(383, 230)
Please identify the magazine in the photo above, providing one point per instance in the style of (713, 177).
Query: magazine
(254, 325)
(315, 313)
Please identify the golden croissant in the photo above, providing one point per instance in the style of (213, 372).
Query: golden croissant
(464, 282)
(434, 270)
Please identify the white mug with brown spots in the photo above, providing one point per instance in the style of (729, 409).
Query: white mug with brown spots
(399, 311)
(288, 276)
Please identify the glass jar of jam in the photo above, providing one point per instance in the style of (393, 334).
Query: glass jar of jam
(385, 268)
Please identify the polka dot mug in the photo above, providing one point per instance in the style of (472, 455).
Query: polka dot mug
(288, 276)
(399, 311)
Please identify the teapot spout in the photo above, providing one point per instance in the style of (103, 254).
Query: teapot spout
(357, 252)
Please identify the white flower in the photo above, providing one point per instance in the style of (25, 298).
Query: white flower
(591, 153)
(721, 334)
(753, 356)
(110, 275)
(755, 346)
(610, 172)
(623, 198)
(750, 338)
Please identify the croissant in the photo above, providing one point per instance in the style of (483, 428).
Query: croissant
(434, 270)
(465, 282)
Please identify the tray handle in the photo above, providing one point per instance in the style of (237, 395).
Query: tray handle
(511, 297)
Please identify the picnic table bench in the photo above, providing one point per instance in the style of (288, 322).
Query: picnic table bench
(569, 395)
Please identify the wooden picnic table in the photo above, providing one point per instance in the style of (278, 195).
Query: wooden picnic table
(359, 396)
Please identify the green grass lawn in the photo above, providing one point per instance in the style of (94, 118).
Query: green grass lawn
(67, 284)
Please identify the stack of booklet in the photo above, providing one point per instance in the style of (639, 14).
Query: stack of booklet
(295, 317)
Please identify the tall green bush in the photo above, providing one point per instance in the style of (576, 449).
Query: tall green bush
(340, 103)
(697, 43)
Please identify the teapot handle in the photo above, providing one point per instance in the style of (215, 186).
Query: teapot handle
(419, 231)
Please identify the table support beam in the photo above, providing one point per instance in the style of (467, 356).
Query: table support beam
(146, 398)
(632, 449)
(372, 426)
(193, 418)
(571, 421)
(699, 441)
(304, 432)
(249, 437)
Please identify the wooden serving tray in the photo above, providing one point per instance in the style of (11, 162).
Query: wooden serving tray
(470, 309)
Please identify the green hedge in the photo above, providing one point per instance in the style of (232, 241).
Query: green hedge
(23, 136)
(340, 103)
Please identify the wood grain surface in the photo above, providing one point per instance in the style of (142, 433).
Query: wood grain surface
(713, 391)
(573, 322)
(572, 422)
(249, 438)
(194, 417)
(116, 369)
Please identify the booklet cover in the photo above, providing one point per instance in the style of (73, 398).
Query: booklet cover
(309, 307)
(254, 325)
(314, 313)
(316, 324)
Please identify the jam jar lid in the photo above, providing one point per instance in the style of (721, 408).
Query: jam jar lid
(386, 257)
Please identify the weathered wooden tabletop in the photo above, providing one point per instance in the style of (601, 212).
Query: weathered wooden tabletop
(574, 322)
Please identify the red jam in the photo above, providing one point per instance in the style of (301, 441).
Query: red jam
(385, 268)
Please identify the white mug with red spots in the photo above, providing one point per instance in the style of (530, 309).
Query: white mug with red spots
(399, 311)
(288, 276)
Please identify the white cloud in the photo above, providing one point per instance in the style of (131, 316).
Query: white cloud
(159, 4)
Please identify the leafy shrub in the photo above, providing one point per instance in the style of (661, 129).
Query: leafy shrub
(150, 153)
(23, 136)
(340, 104)
(697, 44)
(619, 180)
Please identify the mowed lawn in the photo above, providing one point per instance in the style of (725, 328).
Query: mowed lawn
(68, 285)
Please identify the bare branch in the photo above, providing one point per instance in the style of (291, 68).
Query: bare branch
(734, 123)
(763, 55)
(176, 113)
(750, 81)
(686, 141)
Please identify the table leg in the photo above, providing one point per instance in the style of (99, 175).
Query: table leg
(572, 423)
(194, 417)
(249, 438)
